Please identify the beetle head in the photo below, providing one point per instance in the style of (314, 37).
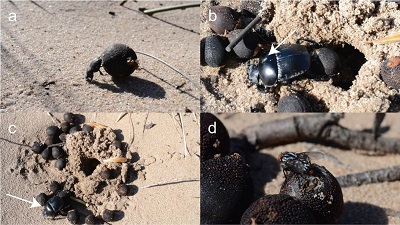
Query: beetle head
(252, 74)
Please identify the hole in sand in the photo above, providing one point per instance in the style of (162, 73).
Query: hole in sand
(88, 165)
(352, 60)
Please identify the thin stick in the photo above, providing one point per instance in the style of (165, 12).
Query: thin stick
(176, 181)
(244, 32)
(80, 201)
(131, 131)
(195, 118)
(172, 67)
(388, 39)
(55, 120)
(120, 116)
(316, 128)
(169, 8)
(183, 134)
(369, 177)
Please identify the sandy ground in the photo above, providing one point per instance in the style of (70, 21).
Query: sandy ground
(46, 52)
(368, 204)
(331, 23)
(160, 152)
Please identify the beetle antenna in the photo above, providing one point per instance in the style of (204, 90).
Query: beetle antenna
(172, 67)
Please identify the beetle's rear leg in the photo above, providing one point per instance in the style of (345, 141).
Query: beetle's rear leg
(93, 67)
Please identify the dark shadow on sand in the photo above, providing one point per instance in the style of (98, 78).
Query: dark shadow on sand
(136, 86)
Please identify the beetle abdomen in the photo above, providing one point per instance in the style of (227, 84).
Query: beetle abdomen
(293, 60)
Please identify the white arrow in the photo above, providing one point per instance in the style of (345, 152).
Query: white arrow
(34, 202)
(274, 50)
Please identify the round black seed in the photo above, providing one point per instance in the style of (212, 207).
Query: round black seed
(65, 126)
(60, 164)
(390, 70)
(41, 199)
(53, 186)
(46, 153)
(105, 173)
(86, 128)
(122, 190)
(73, 216)
(91, 219)
(69, 117)
(74, 129)
(224, 19)
(63, 137)
(246, 47)
(38, 147)
(49, 141)
(117, 144)
(294, 103)
(52, 131)
(108, 215)
(214, 50)
(57, 152)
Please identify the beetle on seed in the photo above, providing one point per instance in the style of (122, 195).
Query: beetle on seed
(291, 62)
(118, 60)
(299, 163)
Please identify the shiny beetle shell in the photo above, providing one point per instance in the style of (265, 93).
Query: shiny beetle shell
(292, 61)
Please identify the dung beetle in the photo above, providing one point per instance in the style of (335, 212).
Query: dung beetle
(57, 205)
(299, 163)
(118, 60)
(292, 61)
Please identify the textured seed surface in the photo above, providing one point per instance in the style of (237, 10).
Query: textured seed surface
(214, 50)
(119, 60)
(211, 144)
(226, 190)
(390, 72)
(108, 215)
(41, 199)
(277, 209)
(320, 191)
(246, 47)
(60, 164)
(90, 219)
(52, 131)
(69, 117)
(38, 148)
(294, 103)
(123, 189)
(73, 217)
(226, 19)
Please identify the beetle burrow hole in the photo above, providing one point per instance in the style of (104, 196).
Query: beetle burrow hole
(88, 165)
(351, 60)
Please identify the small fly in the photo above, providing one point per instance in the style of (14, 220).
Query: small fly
(299, 163)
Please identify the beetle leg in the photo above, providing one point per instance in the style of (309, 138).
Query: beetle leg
(298, 41)
(263, 89)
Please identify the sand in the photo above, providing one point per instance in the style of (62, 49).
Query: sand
(367, 204)
(46, 52)
(332, 24)
(156, 155)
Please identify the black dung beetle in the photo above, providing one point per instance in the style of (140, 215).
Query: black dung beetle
(118, 60)
(292, 61)
(299, 163)
(57, 205)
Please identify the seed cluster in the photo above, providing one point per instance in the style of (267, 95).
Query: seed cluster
(86, 146)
